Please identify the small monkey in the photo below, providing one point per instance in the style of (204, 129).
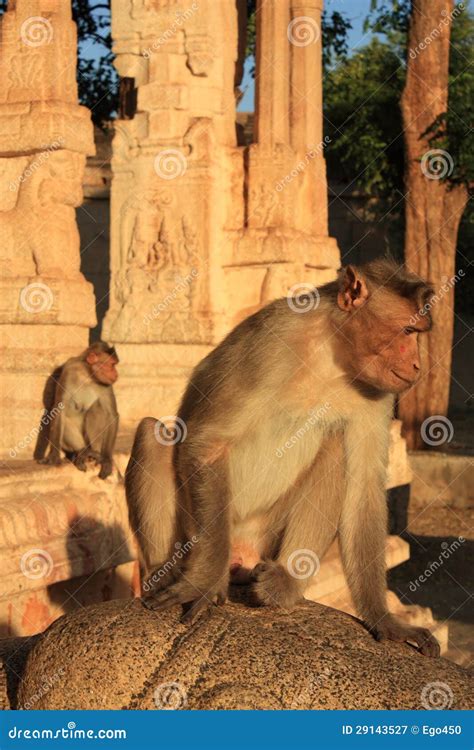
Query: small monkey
(287, 445)
(85, 419)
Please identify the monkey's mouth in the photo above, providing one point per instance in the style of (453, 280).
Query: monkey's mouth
(405, 380)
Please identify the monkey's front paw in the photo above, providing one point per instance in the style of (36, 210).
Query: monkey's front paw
(273, 586)
(51, 461)
(193, 600)
(393, 630)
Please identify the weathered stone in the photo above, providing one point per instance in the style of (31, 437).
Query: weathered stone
(121, 655)
(46, 304)
(204, 232)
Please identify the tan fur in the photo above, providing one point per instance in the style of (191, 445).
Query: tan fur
(287, 443)
(84, 420)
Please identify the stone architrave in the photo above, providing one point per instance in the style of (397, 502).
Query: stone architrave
(46, 305)
(204, 232)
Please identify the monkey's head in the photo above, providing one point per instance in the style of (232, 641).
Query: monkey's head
(386, 309)
(102, 360)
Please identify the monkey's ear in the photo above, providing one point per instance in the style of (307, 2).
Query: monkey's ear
(92, 358)
(353, 290)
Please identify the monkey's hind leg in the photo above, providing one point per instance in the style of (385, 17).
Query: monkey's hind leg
(313, 507)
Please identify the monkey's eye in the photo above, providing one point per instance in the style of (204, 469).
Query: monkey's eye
(408, 331)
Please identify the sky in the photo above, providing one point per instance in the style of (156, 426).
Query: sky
(355, 11)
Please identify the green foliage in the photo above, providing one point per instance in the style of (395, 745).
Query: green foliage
(363, 121)
(362, 109)
(97, 78)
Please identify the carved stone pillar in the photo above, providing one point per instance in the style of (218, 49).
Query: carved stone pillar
(306, 113)
(284, 242)
(272, 84)
(172, 172)
(46, 305)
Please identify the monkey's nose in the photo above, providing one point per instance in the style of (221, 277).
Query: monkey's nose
(416, 365)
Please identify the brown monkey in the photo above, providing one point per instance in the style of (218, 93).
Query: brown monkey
(84, 413)
(287, 444)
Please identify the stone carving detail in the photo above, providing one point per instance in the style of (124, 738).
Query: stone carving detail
(225, 213)
(46, 304)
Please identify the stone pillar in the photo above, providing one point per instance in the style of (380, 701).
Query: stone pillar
(284, 242)
(46, 305)
(306, 113)
(171, 164)
(272, 84)
(204, 232)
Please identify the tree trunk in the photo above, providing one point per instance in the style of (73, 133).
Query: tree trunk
(433, 207)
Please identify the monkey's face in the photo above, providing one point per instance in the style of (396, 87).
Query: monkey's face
(103, 367)
(387, 348)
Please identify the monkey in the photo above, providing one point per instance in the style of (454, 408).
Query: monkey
(83, 413)
(285, 447)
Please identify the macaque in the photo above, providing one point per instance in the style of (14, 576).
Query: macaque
(84, 413)
(286, 445)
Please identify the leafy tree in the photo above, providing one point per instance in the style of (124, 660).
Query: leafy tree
(363, 118)
(97, 78)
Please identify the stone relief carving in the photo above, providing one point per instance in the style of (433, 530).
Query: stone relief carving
(159, 290)
(40, 229)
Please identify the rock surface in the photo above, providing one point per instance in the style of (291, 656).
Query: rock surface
(119, 655)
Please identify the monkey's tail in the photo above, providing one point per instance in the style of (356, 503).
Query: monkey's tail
(150, 491)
